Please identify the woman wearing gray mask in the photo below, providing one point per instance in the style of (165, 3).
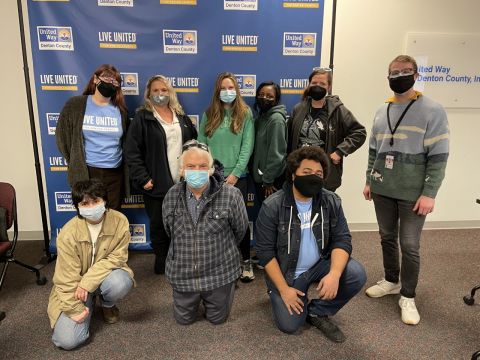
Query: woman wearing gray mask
(154, 143)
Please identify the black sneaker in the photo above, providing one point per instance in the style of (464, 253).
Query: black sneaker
(328, 328)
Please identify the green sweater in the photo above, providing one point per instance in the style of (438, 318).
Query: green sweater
(232, 150)
(419, 152)
(269, 156)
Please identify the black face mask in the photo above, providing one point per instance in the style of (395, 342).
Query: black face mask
(401, 84)
(317, 92)
(106, 89)
(264, 104)
(308, 185)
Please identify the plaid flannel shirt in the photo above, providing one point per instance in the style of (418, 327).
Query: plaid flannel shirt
(204, 256)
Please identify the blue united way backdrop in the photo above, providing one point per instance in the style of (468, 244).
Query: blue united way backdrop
(189, 41)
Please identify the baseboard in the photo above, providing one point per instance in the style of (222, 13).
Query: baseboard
(429, 225)
(27, 235)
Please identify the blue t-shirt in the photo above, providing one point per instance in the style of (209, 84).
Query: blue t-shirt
(102, 131)
(309, 253)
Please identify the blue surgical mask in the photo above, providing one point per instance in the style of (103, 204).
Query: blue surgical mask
(196, 178)
(228, 96)
(94, 213)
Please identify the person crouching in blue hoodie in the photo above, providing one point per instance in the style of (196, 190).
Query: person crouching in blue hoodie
(302, 237)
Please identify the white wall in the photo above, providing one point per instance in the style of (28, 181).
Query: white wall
(369, 34)
(16, 151)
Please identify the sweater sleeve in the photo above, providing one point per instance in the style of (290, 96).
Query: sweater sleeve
(436, 144)
(277, 149)
(63, 131)
(201, 130)
(246, 149)
(372, 154)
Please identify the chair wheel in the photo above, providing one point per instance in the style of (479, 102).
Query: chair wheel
(469, 300)
(42, 280)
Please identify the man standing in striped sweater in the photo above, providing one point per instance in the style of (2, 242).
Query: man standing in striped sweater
(406, 165)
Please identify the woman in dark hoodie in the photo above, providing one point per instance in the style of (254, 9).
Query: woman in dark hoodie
(269, 154)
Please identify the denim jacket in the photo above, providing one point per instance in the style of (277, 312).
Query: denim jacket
(278, 232)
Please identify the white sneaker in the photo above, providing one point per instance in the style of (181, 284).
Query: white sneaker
(410, 313)
(382, 288)
(247, 273)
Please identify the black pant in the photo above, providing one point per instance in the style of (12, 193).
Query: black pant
(260, 190)
(244, 246)
(113, 181)
(158, 235)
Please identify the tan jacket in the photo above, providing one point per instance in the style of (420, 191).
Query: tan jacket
(74, 261)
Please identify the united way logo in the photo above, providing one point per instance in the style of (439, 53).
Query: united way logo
(137, 233)
(129, 83)
(55, 38)
(299, 44)
(247, 84)
(52, 120)
(63, 201)
(180, 41)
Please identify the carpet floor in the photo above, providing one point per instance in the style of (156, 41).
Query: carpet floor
(449, 329)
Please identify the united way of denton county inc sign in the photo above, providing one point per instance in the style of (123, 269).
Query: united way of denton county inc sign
(447, 70)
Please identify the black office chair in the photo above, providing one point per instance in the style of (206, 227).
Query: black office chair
(8, 217)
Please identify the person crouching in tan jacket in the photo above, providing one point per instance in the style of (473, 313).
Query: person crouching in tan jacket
(92, 254)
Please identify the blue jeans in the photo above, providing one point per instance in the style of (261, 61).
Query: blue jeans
(69, 334)
(351, 281)
(396, 219)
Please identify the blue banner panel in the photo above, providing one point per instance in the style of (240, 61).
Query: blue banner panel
(188, 41)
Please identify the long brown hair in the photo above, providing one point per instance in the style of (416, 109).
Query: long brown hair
(216, 112)
(108, 70)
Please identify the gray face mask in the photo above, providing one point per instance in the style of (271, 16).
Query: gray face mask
(160, 100)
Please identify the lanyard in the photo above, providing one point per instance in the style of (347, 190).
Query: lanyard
(399, 120)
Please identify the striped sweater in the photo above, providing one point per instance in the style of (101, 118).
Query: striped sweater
(415, 164)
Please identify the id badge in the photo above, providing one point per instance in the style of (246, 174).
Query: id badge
(389, 161)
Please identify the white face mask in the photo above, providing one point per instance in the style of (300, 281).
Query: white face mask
(94, 213)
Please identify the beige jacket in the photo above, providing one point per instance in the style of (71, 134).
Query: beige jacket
(74, 261)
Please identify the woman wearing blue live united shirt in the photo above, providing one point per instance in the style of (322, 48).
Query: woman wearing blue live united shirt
(91, 131)
(227, 128)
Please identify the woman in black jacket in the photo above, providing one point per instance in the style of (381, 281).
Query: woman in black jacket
(322, 120)
(154, 144)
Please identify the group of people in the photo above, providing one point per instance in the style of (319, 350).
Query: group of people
(195, 188)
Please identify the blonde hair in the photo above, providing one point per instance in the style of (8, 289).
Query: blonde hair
(404, 59)
(216, 111)
(173, 103)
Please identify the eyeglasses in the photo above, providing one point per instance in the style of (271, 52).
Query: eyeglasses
(404, 72)
(109, 79)
(196, 144)
(321, 69)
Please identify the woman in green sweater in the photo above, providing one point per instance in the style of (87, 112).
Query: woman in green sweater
(227, 129)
